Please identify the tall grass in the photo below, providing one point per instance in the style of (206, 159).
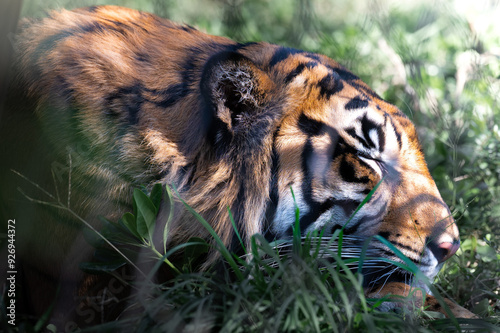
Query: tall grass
(304, 284)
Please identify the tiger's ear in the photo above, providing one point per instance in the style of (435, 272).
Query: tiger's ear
(235, 89)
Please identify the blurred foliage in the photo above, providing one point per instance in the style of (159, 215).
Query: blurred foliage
(438, 61)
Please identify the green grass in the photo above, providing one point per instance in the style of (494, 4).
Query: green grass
(305, 284)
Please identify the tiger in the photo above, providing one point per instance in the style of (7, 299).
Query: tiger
(116, 98)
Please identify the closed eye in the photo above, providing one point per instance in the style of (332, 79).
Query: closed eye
(374, 163)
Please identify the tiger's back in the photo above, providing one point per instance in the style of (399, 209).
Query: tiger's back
(123, 98)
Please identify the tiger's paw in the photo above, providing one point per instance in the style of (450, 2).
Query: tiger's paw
(400, 294)
(432, 304)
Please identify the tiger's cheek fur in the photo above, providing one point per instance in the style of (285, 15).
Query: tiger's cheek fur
(310, 166)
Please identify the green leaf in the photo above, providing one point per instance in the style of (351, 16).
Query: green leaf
(235, 228)
(146, 214)
(117, 233)
(297, 235)
(156, 196)
(128, 220)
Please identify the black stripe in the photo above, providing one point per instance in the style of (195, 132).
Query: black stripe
(352, 133)
(99, 27)
(313, 56)
(293, 74)
(188, 28)
(348, 173)
(274, 196)
(348, 206)
(281, 54)
(316, 209)
(128, 99)
(384, 234)
(330, 85)
(366, 92)
(366, 126)
(400, 246)
(307, 154)
(298, 70)
(381, 134)
(311, 127)
(366, 191)
(175, 93)
(351, 79)
(92, 9)
(190, 67)
(406, 247)
(170, 96)
(356, 103)
(133, 105)
(239, 46)
(345, 74)
(390, 254)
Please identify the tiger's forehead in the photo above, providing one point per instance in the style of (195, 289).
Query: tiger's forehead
(329, 99)
(321, 89)
(328, 93)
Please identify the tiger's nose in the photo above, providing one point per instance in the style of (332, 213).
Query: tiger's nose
(444, 250)
(445, 241)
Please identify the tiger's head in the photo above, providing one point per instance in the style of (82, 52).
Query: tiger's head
(322, 140)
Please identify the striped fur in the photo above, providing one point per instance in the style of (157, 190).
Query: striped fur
(139, 100)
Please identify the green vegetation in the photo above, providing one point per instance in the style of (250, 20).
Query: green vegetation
(298, 286)
(439, 62)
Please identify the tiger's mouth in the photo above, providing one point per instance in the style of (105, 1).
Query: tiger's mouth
(378, 262)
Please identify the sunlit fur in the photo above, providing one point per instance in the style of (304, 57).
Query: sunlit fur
(134, 100)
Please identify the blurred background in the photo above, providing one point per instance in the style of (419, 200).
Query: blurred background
(438, 61)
